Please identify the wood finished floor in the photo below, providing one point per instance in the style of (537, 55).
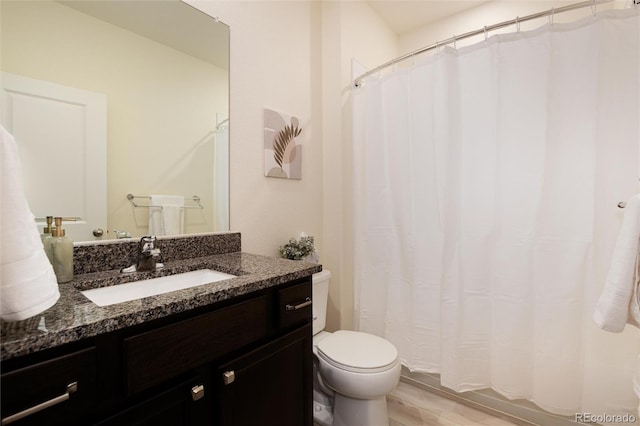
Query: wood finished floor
(412, 406)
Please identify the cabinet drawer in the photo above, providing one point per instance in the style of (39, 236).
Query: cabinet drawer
(173, 406)
(47, 382)
(294, 305)
(166, 352)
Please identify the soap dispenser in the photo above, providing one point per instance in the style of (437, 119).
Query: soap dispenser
(61, 253)
(46, 237)
(46, 231)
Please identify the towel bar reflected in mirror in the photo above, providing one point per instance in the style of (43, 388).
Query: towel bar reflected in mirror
(195, 199)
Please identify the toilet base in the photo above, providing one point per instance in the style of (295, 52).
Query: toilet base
(322, 409)
(360, 412)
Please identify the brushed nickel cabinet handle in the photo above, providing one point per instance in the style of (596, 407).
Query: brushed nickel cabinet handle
(71, 388)
(228, 377)
(304, 304)
(197, 392)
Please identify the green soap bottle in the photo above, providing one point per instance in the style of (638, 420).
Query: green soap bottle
(61, 253)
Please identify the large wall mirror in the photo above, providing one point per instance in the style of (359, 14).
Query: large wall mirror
(115, 104)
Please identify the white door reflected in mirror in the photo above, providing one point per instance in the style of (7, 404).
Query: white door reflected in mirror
(61, 133)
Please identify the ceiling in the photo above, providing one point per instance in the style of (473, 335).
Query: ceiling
(164, 22)
(404, 16)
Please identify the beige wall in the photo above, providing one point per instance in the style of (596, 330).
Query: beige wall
(351, 30)
(145, 155)
(295, 57)
(274, 63)
(490, 13)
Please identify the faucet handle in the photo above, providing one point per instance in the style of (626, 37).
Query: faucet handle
(121, 234)
(148, 243)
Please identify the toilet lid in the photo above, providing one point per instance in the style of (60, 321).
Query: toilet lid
(356, 350)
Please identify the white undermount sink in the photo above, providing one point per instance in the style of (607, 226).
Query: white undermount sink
(105, 296)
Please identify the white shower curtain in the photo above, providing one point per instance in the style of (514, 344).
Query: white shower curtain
(221, 179)
(486, 187)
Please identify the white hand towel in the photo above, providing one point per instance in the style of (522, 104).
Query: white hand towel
(619, 304)
(166, 215)
(28, 284)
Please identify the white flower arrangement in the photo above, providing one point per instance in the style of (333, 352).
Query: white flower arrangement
(301, 249)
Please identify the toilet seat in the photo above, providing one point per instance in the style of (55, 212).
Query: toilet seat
(357, 352)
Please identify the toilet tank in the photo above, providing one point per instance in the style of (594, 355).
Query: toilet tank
(320, 294)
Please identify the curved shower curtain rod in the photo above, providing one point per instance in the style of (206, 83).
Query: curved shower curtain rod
(551, 12)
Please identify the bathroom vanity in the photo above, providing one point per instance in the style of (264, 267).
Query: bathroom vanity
(234, 352)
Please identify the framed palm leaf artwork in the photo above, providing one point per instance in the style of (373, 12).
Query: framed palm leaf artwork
(282, 152)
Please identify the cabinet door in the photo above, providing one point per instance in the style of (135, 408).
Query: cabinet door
(271, 385)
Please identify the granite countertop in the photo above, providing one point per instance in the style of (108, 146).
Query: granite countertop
(74, 317)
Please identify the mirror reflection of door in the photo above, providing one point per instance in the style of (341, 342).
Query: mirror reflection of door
(61, 133)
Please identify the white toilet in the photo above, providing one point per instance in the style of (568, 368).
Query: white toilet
(353, 371)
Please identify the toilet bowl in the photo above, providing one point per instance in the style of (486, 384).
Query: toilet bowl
(354, 371)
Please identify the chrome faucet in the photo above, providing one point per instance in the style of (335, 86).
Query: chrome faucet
(149, 254)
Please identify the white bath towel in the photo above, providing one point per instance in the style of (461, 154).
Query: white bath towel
(28, 284)
(619, 303)
(166, 215)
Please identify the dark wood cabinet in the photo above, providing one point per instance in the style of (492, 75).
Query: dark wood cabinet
(240, 362)
(183, 404)
(270, 385)
(66, 385)
(161, 353)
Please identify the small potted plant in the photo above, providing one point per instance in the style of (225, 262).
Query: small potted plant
(300, 249)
